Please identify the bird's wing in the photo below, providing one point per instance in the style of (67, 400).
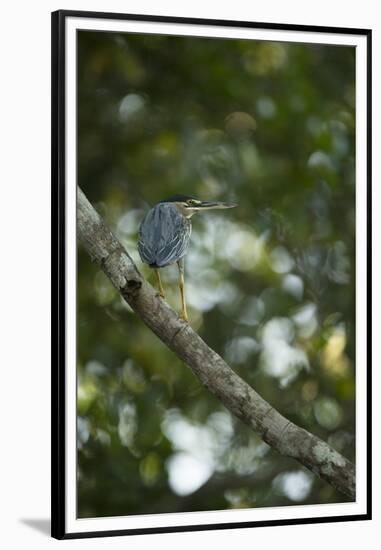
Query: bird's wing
(163, 235)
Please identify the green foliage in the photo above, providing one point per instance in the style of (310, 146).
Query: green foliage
(270, 284)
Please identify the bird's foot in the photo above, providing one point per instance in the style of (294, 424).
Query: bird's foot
(184, 316)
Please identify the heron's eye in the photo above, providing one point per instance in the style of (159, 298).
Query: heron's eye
(192, 202)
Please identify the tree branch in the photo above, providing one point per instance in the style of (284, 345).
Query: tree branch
(237, 396)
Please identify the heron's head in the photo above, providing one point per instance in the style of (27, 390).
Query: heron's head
(189, 205)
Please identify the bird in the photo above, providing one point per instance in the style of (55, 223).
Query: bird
(165, 232)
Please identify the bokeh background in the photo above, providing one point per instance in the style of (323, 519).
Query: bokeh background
(270, 284)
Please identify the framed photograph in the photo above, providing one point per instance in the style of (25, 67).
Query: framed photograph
(211, 274)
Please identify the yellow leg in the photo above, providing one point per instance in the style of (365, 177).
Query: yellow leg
(184, 313)
(161, 289)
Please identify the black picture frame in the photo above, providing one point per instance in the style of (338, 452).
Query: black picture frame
(58, 288)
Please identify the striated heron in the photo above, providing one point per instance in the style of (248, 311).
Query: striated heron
(165, 232)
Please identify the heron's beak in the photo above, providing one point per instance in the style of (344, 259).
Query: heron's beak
(207, 205)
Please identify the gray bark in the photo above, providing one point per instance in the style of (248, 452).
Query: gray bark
(214, 373)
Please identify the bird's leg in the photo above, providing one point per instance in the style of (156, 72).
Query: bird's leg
(184, 313)
(161, 289)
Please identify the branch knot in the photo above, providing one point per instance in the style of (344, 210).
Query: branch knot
(131, 288)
